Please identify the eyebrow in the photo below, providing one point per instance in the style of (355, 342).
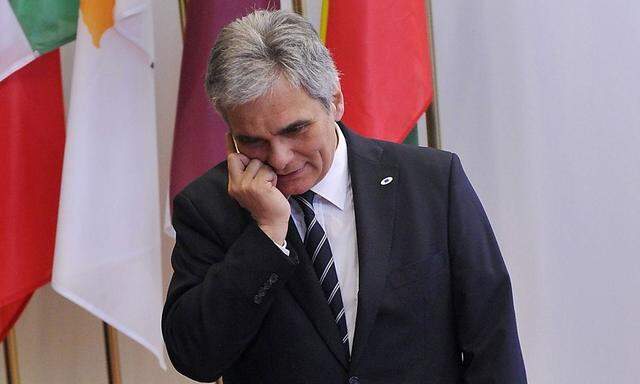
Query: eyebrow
(282, 131)
(293, 125)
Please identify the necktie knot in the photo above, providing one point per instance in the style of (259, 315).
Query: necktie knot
(305, 201)
(307, 196)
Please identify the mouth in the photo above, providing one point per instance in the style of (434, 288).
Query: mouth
(291, 175)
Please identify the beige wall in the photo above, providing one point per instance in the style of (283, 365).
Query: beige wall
(59, 342)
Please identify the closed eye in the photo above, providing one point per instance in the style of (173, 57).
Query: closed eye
(248, 140)
(294, 129)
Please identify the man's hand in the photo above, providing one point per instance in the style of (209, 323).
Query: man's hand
(253, 185)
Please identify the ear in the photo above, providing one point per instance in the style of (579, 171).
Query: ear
(337, 104)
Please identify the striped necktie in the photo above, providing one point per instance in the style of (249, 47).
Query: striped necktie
(317, 245)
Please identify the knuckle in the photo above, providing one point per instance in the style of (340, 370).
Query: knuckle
(253, 188)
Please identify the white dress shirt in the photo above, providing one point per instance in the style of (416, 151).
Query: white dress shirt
(333, 207)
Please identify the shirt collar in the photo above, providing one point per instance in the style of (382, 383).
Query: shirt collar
(334, 185)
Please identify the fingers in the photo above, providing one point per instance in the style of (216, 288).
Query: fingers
(236, 165)
(266, 174)
(250, 171)
(241, 172)
(252, 184)
(236, 161)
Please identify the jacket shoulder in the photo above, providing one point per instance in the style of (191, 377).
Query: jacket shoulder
(425, 160)
(416, 152)
(206, 197)
(211, 185)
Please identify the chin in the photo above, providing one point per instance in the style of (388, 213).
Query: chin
(288, 190)
(294, 188)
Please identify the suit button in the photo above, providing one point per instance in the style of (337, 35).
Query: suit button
(273, 278)
(354, 380)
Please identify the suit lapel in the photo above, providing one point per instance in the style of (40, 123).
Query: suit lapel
(374, 203)
(305, 287)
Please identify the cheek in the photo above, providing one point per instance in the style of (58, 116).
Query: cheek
(326, 153)
(315, 150)
(316, 157)
(253, 152)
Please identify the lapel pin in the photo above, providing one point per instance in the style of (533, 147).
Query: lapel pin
(386, 180)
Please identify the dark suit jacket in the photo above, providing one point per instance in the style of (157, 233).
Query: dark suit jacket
(434, 302)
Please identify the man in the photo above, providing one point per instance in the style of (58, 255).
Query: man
(386, 272)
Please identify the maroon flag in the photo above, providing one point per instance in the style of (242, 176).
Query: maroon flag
(198, 141)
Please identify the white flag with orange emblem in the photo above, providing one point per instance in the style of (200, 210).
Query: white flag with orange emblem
(107, 256)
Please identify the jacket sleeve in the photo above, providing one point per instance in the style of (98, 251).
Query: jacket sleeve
(217, 297)
(483, 301)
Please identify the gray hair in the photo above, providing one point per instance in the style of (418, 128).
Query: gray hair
(251, 53)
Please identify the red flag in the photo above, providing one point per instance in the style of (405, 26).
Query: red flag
(381, 49)
(198, 140)
(31, 151)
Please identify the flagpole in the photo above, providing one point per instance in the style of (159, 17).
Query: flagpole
(298, 7)
(183, 16)
(432, 114)
(112, 352)
(11, 357)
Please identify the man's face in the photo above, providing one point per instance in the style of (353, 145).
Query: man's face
(289, 131)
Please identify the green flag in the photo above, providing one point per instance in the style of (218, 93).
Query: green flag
(30, 28)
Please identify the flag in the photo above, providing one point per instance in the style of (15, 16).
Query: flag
(31, 143)
(381, 49)
(29, 28)
(31, 149)
(107, 254)
(198, 141)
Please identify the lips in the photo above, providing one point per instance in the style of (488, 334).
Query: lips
(291, 175)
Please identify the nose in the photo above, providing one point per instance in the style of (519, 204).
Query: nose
(279, 156)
